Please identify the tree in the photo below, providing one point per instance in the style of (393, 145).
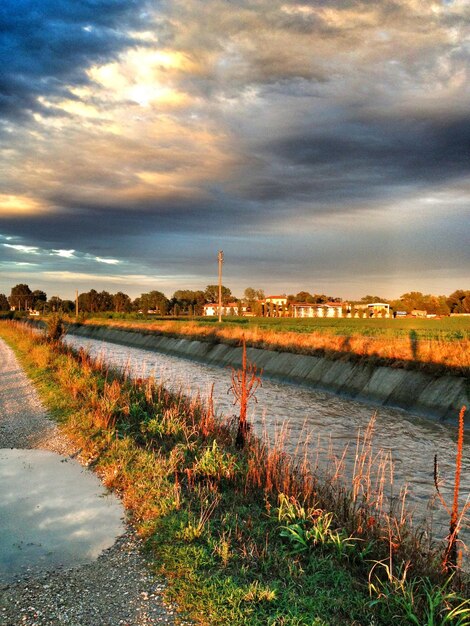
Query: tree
(252, 298)
(39, 299)
(94, 302)
(253, 295)
(187, 299)
(409, 302)
(257, 309)
(372, 299)
(122, 302)
(437, 305)
(57, 305)
(304, 296)
(88, 301)
(54, 304)
(4, 304)
(105, 301)
(20, 297)
(250, 294)
(211, 294)
(67, 306)
(459, 301)
(154, 301)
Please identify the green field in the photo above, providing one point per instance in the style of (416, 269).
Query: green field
(446, 328)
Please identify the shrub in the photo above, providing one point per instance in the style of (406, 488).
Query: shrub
(55, 328)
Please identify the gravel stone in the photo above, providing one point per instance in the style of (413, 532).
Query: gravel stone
(116, 589)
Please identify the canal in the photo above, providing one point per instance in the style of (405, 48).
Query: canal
(320, 423)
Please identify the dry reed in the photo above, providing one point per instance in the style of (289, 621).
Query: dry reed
(397, 351)
(451, 556)
(245, 382)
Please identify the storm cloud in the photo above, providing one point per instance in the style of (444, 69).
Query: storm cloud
(303, 138)
(47, 46)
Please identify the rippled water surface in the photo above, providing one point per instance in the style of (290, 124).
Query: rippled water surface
(328, 422)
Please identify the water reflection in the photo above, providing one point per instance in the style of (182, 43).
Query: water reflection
(53, 513)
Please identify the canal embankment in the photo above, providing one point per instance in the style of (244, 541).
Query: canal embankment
(437, 394)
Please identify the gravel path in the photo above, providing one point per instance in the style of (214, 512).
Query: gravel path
(23, 419)
(116, 589)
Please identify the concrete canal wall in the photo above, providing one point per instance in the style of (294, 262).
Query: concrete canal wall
(418, 392)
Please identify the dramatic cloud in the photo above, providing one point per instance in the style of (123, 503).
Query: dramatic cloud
(318, 143)
(49, 45)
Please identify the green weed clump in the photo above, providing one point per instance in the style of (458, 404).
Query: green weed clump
(244, 535)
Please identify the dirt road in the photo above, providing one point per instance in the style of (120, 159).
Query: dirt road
(116, 589)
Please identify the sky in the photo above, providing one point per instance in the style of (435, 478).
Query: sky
(322, 145)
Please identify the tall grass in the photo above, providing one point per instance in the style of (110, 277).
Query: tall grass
(243, 533)
(245, 382)
(55, 328)
(452, 556)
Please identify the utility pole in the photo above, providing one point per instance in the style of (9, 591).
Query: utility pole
(76, 303)
(220, 258)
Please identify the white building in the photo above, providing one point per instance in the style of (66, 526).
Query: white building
(232, 308)
(377, 309)
(326, 309)
(373, 309)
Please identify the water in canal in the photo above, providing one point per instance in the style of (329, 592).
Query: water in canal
(328, 422)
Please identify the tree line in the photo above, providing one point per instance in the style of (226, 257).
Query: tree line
(457, 302)
(191, 302)
(185, 301)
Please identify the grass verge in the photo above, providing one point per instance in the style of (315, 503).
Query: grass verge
(244, 536)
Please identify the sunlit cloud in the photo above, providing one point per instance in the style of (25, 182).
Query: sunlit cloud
(9, 264)
(66, 254)
(23, 249)
(107, 261)
(17, 205)
(143, 280)
(72, 107)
